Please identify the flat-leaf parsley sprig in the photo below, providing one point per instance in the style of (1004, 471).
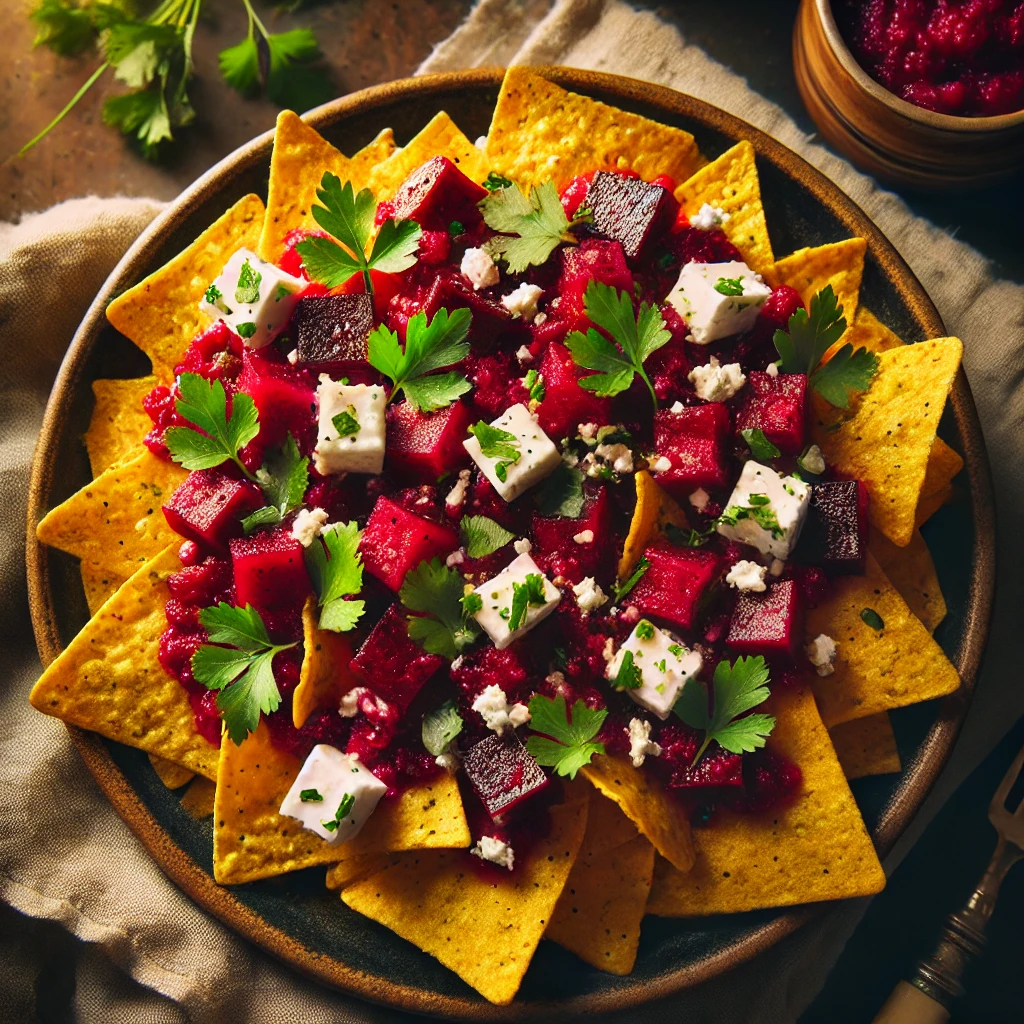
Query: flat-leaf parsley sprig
(283, 478)
(496, 443)
(335, 569)
(442, 624)
(563, 740)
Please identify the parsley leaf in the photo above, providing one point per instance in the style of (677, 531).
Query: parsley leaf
(336, 571)
(729, 286)
(428, 347)
(65, 29)
(846, 372)
(561, 494)
(248, 290)
(738, 688)
(760, 447)
(483, 536)
(628, 676)
(565, 743)
(345, 423)
(529, 593)
(241, 670)
(436, 591)
(283, 478)
(440, 727)
(759, 509)
(622, 589)
(496, 443)
(534, 384)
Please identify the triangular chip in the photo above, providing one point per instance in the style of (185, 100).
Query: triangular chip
(911, 571)
(353, 868)
(886, 437)
(731, 184)
(643, 800)
(876, 669)
(99, 585)
(119, 423)
(325, 672)
(840, 264)
(440, 137)
(198, 799)
(540, 132)
(480, 924)
(161, 313)
(943, 465)
(815, 849)
(930, 504)
(116, 522)
(172, 775)
(109, 678)
(869, 332)
(362, 163)
(866, 746)
(654, 510)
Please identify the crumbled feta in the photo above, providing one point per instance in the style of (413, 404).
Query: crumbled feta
(307, 524)
(449, 761)
(772, 369)
(523, 301)
(664, 665)
(699, 499)
(455, 558)
(497, 595)
(498, 715)
(495, 850)
(589, 596)
(541, 318)
(584, 537)
(766, 510)
(821, 653)
(348, 706)
(354, 444)
(481, 270)
(523, 546)
(620, 457)
(715, 382)
(718, 300)
(293, 356)
(640, 743)
(538, 456)
(775, 569)
(457, 495)
(709, 217)
(587, 430)
(608, 651)
(813, 461)
(661, 464)
(523, 354)
(481, 142)
(348, 794)
(677, 407)
(746, 575)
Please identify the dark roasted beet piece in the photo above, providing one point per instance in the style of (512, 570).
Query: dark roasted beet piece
(694, 442)
(769, 623)
(835, 534)
(776, 406)
(423, 446)
(395, 541)
(566, 405)
(502, 774)
(675, 583)
(208, 507)
(270, 570)
(436, 193)
(331, 330)
(630, 211)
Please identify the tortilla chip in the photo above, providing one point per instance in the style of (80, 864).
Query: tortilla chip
(480, 924)
(866, 746)
(172, 775)
(867, 331)
(161, 314)
(441, 137)
(540, 132)
(362, 163)
(886, 437)
(599, 912)
(943, 465)
(109, 678)
(875, 669)
(654, 510)
(118, 422)
(353, 868)
(99, 585)
(815, 849)
(198, 798)
(642, 799)
(930, 504)
(912, 572)
(325, 672)
(731, 183)
(116, 523)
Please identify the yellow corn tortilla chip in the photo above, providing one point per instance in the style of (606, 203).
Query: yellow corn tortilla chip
(912, 572)
(172, 775)
(598, 915)
(362, 163)
(161, 314)
(643, 800)
(484, 927)
(731, 183)
(440, 137)
(353, 868)
(118, 423)
(198, 799)
(109, 678)
(99, 585)
(867, 331)
(887, 435)
(540, 132)
(116, 522)
(943, 465)
(930, 504)
(866, 746)
(875, 669)
(653, 511)
(815, 849)
(325, 672)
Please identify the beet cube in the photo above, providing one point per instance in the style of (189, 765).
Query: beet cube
(566, 404)
(630, 211)
(694, 441)
(675, 584)
(555, 545)
(776, 406)
(396, 540)
(592, 260)
(835, 535)
(284, 399)
(502, 774)
(394, 666)
(489, 317)
(331, 331)
(208, 507)
(270, 571)
(769, 623)
(423, 446)
(437, 193)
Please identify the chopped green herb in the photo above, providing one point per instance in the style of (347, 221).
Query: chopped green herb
(483, 536)
(472, 604)
(248, 290)
(534, 384)
(525, 595)
(213, 293)
(561, 494)
(496, 443)
(281, 292)
(621, 590)
(628, 676)
(760, 447)
(495, 181)
(282, 478)
(456, 228)
(345, 422)
(436, 592)
(310, 796)
(645, 630)
(729, 286)
(871, 618)
(335, 569)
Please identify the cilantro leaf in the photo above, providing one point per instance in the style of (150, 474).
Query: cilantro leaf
(335, 569)
(846, 372)
(534, 384)
(436, 592)
(283, 478)
(760, 447)
(810, 336)
(483, 536)
(240, 66)
(65, 29)
(440, 727)
(561, 494)
(496, 443)
(248, 290)
(622, 589)
(562, 742)
(529, 593)
(628, 676)
(290, 81)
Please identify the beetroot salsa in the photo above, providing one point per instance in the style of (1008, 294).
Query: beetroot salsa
(440, 448)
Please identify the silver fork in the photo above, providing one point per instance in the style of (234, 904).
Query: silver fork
(928, 996)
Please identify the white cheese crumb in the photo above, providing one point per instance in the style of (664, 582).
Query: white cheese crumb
(293, 356)
(523, 354)
(518, 714)
(640, 743)
(772, 369)
(481, 142)
(478, 266)
(457, 495)
(540, 318)
(813, 460)
(449, 761)
(494, 709)
(608, 651)
(307, 525)
(661, 464)
(523, 546)
(776, 567)
(589, 596)
(587, 430)
(714, 382)
(523, 301)
(584, 537)
(821, 653)
(494, 850)
(620, 457)
(348, 706)
(747, 575)
(709, 217)
(699, 499)
(677, 407)
(455, 558)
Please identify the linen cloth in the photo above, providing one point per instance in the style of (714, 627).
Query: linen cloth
(148, 954)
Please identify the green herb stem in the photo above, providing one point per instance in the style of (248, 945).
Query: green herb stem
(89, 83)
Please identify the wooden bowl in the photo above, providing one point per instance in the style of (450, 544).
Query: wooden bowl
(886, 136)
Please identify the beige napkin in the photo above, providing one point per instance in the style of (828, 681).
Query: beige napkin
(66, 857)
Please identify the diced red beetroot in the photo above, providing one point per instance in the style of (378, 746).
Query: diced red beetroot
(436, 193)
(783, 302)
(674, 585)
(566, 404)
(497, 382)
(630, 211)
(679, 745)
(573, 194)
(290, 261)
(208, 507)
(776, 405)
(769, 781)
(502, 774)
(332, 330)
(487, 666)
(835, 533)
(769, 623)
(490, 317)
(284, 399)
(691, 245)
(423, 446)
(204, 583)
(592, 260)
(216, 353)
(394, 666)
(694, 441)
(556, 549)
(395, 541)
(270, 571)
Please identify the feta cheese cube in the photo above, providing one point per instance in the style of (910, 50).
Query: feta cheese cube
(497, 851)
(746, 575)
(766, 511)
(640, 744)
(481, 270)
(537, 454)
(718, 300)
(350, 437)
(523, 301)
(307, 524)
(333, 795)
(254, 298)
(715, 382)
(498, 594)
(664, 665)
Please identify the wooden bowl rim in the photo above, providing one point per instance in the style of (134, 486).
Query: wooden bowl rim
(220, 901)
(930, 118)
